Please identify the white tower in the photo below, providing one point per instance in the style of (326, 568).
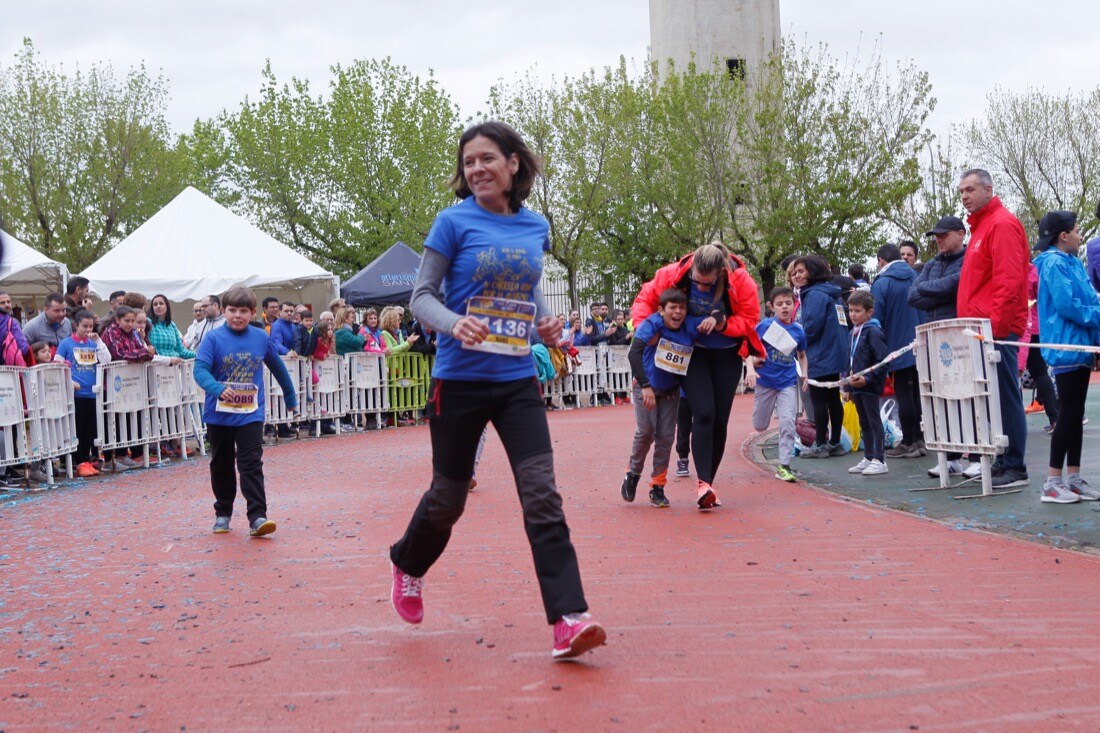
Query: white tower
(740, 33)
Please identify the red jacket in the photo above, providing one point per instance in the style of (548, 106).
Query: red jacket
(993, 283)
(741, 298)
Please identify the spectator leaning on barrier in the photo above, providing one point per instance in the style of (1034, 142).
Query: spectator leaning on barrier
(163, 334)
(617, 332)
(282, 330)
(347, 341)
(935, 293)
(899, 322)
(76, 290)
(392, 338)
(50, 325)
(425, 341)
(1068, 314)
(16, 352)
(303, 333)
(83, 351)
(993, 285)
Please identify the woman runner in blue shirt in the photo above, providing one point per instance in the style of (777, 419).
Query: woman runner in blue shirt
(478, 287)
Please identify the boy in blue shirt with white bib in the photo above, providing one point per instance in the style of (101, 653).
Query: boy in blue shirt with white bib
(659, 357)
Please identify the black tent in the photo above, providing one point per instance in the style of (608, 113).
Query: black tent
(389, 279)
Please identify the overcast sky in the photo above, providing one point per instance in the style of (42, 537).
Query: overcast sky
(212, 52)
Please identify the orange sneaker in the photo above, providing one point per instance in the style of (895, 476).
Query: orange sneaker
(707, 498)
(86, 470)
(1034, 407)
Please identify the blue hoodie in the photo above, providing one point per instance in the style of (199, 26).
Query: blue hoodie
(826, 327)
(899, 319)
(1069, 312)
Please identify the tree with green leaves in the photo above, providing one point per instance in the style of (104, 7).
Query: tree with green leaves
(342, 177)
(938, 196)
(85, 158)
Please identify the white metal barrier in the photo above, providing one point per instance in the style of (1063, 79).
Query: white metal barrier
(367, 378)
(584, 382)
(123, 407)
(275, 409)
(618, 378)
(175, 402)
(14, 448)
(959, 394)
(327, 399)
(51, 415)
(194, 400)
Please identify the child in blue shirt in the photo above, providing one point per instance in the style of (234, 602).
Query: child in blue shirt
(229, 368)
(774, 379)
(659, 356)
(82, 352)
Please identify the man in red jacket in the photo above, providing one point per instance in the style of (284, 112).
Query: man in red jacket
(993, 285)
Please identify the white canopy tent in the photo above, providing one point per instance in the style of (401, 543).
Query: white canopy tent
(195, 247)
(27, 275)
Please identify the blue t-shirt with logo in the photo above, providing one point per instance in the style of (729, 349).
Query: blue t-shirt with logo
(686, 335)
(492, 256)
(82, 359)
(778, 370)
(700, 305)
(227, 356)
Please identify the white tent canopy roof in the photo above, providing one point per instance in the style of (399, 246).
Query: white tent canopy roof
(27, 273)
(194, 247)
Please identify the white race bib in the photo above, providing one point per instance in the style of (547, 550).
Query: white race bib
(778, 337)
(245, 399)
(510, 325)
(672, 357)
(840, 315)
(85, 357)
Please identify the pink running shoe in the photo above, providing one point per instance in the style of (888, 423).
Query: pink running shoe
(405, 596)
(576, 633)
(707, 498)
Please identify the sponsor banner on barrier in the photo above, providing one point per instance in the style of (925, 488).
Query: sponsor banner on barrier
(56, 393)
(166, 385)
(127, 389)
(328, 379)
(365, 373)
(11, 397)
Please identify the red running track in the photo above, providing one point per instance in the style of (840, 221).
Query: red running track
(786, 610)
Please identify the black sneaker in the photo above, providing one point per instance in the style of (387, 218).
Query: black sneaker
(904, 450)
(657, 497)
(630, 486)
(836, 449)
(286, 431)
(261, 526)
(1010, 477)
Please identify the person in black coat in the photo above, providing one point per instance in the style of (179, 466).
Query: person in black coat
(867, 349)
(936, 289)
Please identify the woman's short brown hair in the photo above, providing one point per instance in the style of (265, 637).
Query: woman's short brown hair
(240, 297)
(509, 142)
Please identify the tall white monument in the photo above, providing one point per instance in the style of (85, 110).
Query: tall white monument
(740, 33)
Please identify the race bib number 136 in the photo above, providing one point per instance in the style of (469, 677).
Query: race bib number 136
(510, 324)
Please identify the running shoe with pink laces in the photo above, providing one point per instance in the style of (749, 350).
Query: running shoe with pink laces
(405, 596)
(575, 634)
(707, 498)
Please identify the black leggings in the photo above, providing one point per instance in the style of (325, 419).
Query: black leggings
(1044, 387)
(1065, 441)
(458, 412)
(828, 412)
(710, 385)
(907, 394)
(683, 430)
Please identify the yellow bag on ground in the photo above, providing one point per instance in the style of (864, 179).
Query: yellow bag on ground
(851, 423)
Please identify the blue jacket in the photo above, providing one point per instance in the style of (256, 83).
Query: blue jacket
(936, 290)
(826, 337)
(1092, 252)
(282, 335)
(868, 348)
(1069, 312)
(899, 319)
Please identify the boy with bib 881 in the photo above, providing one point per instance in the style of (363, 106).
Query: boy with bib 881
(659, 357)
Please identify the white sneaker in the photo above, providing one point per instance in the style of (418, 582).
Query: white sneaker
(1081, 487)
(954, 468)
(1056, 493)
(859, 467)
(974, 470)
(876, 468)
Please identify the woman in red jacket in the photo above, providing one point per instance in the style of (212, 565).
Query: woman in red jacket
(714, 281)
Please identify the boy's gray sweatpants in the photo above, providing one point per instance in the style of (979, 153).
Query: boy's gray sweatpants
(656, 427)
(784, 401)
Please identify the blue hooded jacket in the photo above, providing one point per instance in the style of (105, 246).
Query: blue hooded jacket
(899, 319)
(821, 314)
(869, 348)
(1069, 312)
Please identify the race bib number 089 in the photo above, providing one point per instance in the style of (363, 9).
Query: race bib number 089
(244, 400)
(510, 324)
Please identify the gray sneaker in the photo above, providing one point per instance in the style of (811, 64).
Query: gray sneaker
(37, 477)
(836, 450)
(221, 525)
(815, 451)
(113, 466)
(261, 526)
(904, 450)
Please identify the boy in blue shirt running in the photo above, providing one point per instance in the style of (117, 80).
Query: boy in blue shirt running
(659, 356)
(774, 379)
(229, 368)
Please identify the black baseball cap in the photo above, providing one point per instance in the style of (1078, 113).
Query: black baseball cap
(1052, 224)
(947, 224)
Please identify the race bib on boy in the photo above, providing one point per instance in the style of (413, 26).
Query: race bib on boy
(85, 357)
(840, 315)
(510, 324)
(244, 401)
(672, 357)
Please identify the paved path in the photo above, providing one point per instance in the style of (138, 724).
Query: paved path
(787, 610)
